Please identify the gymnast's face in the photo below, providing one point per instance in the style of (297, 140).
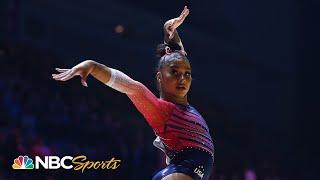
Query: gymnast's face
(175, 78)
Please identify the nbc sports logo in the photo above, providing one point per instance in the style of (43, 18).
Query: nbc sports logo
(55, 162)
(22, 162)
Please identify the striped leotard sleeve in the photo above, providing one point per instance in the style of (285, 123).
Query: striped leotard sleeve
(152, 108)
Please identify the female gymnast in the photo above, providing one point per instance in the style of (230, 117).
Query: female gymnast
(182, 133)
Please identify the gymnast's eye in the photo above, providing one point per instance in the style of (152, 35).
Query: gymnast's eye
(188, 74)
(174, 72)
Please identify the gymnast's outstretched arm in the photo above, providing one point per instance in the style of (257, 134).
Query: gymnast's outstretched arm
(170, 29)
(153, 109)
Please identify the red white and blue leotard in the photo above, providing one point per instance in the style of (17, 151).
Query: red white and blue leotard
(177, 127)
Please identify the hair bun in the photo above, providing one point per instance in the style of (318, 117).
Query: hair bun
(161, 48)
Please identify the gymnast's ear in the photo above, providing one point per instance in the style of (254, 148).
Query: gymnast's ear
(158, 76)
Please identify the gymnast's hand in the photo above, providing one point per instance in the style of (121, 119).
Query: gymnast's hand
(172, 24)
(83, 69)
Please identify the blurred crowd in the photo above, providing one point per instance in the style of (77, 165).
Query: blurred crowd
(40, 116)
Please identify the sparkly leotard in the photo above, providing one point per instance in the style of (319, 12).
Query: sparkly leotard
(177, 127)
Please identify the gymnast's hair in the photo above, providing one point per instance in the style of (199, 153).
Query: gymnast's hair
(167, 53)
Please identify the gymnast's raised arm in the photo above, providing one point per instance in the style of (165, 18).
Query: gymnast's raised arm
(152, 108)
(170, 29)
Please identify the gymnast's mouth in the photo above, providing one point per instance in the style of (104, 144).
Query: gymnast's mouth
(181, 88)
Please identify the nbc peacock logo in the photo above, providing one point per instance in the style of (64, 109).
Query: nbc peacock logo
(22, 162)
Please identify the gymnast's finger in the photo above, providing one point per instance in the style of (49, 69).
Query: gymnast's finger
(184, 13)
(68, 76)
(61, 70)
(58, 76)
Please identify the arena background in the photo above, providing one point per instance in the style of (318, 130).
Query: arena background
(253, 70)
